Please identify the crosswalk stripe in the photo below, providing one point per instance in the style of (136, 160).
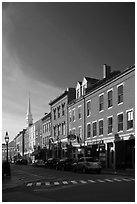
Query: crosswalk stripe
(38, 184)
(47, 183)
(132, 179)
(109, 180)
(92, 181)
(102, 181)
(29, 184)
(115, 179)
(56, 183)
(83, 181)
(125, 179)
(64, 182)
(74, 182)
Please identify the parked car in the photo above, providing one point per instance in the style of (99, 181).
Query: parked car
(38, 163)
(85, 164)
(22, 161)
(65, 163)
(51, 163)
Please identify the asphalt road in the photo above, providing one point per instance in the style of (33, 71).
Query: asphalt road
(32, 184)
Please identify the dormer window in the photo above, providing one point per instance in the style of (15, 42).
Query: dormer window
(78, 89)
(84, 89)
(78, 93)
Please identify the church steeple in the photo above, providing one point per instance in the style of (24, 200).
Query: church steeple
(29, 119)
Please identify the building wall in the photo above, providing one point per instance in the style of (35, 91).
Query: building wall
(128, 81)
(38, 133)
(46, 131)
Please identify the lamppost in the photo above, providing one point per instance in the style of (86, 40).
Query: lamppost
(7, 141)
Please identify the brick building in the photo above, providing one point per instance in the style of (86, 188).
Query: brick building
(59, 121)
(103, 118)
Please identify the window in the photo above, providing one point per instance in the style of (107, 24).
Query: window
(80, 132)
(110, 102)
(59, 112)
(63, 109)
(120, 122)
(130, 119)
(69, 116)
(54, 112)
(88, 108)
(120, 94)
(84, 89)
(79, 112)
(101, 127)
(88, 130)
(73, 115)
(94, 129)
(54, 131)
(110, 125)
(63, 128)
(101, 99)
(77, 93)
(59, 129)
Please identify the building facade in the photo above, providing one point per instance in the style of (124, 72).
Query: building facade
(106, 123)
(59, 122)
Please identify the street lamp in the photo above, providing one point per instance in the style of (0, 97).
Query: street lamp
(7, 141)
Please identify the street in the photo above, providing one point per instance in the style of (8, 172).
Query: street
(37, 184)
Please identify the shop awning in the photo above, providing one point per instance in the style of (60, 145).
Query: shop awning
(36, 152)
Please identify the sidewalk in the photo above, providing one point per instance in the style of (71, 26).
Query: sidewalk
(125, 172)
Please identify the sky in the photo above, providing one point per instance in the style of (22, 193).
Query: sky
(47, 47)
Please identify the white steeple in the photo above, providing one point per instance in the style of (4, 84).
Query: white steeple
(29, 119)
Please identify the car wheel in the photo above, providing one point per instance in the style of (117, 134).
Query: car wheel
(83, 170)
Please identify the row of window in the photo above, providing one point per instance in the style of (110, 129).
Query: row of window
(59, 129)
(129, 122)
(47, 127)
(110, 98)
(101, 103)
(58, 111)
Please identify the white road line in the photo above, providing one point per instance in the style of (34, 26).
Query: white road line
(132, 179)
(115, 179)
(102, 181)
(47, 183)
(38, 184)
(92, 181)
(125, 179)
(74, 182)
(29, 184)
(83, 181)
(64, 182)
(109, 180)
(56, 183)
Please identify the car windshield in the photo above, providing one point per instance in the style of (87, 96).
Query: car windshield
(92, 159)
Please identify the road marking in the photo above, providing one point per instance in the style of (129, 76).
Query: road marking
(109, 180)
(92, 181)
(125, 179)
(29, 184)
(56, 183)
(64, 182)
(116, 179)
(100, 181)
(38, 184)
(47, 183)
(132, 179)
(74, 182)
(83, 181)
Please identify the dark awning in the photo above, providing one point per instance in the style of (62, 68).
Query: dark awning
(36, 152)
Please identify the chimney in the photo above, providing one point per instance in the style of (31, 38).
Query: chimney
(106, 71)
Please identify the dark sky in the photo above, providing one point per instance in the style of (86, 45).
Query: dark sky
(47, 47)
